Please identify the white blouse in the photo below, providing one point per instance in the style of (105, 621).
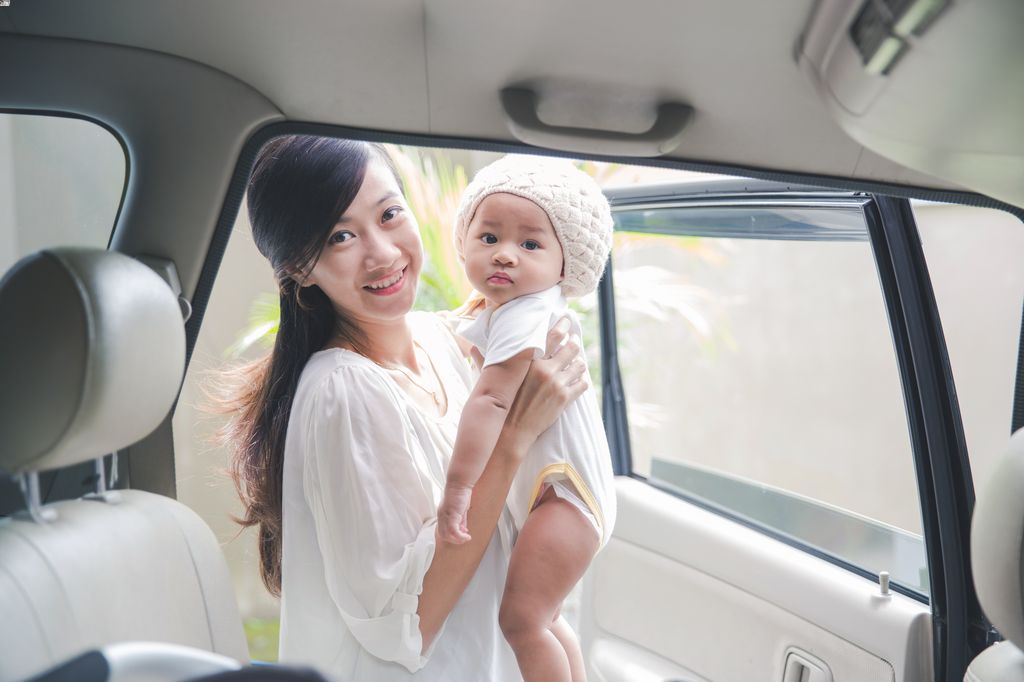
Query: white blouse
(364, 470)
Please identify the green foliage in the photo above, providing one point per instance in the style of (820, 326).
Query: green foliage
(433, 185)
(263, 636)
(264, 320)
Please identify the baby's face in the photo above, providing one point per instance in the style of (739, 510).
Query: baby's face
(511, 249)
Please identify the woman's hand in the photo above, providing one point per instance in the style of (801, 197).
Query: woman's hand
(551, 384)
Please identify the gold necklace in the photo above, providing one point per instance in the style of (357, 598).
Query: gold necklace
(412, 379)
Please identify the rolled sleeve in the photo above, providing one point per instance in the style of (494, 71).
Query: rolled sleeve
(395, 634)
(366, 479)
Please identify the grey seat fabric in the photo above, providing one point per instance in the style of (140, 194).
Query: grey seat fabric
(997, 544)
(92, 355)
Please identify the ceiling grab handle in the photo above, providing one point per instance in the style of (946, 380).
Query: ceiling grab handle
(520, 106)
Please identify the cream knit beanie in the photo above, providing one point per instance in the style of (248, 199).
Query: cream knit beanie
(574, 203)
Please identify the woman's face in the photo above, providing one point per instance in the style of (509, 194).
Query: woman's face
(370, 264)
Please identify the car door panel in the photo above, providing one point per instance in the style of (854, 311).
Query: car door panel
(681, 586)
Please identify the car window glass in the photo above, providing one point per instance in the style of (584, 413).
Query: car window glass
(974, 258)
(760, 376)
(61, 181)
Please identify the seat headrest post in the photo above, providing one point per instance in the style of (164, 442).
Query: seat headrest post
(113, 469)
(29, 484)
(102, 492)
(101, 476)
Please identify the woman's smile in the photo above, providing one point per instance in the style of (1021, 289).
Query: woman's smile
(387, 285)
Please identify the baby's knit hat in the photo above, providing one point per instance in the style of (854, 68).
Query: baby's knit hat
(574, 203)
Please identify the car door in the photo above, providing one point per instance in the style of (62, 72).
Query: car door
(793, 489)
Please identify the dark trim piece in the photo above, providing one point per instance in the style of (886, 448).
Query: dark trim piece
(936, 434)
(734, 189)
(1017, 420)
(613, 397)
(716, 217)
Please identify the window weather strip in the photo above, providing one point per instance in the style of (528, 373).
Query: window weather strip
(1017, 420)
(936, 433)
(613, 399)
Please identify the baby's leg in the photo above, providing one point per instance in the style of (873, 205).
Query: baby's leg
(567, 638)
(553, 551)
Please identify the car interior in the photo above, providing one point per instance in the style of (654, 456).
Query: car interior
(838, 132)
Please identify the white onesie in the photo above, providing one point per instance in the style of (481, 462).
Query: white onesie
(572, 456)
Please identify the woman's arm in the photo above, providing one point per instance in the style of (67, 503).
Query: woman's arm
(551, 384)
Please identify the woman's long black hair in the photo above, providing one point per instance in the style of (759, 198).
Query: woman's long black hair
(299, 188)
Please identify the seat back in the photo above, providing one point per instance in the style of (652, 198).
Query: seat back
(92, 355)
(997, 550)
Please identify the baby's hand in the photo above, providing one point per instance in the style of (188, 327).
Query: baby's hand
(452, 515)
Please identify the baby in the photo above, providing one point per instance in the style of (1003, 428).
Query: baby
(530, 232)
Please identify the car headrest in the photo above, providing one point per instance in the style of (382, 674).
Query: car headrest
(997, 543)
(92, 354)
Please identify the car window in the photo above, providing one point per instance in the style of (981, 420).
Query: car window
(760, 376)
(61, 181)
(974, 257)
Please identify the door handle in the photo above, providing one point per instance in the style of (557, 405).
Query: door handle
(802, 667)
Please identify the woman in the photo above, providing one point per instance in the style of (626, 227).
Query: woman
(344, 433)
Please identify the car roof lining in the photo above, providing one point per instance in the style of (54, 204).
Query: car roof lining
(430, 69)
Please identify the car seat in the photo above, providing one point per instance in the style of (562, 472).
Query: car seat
(92, 354)
(997, 544)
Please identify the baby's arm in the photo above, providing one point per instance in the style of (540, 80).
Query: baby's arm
(482, 420)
